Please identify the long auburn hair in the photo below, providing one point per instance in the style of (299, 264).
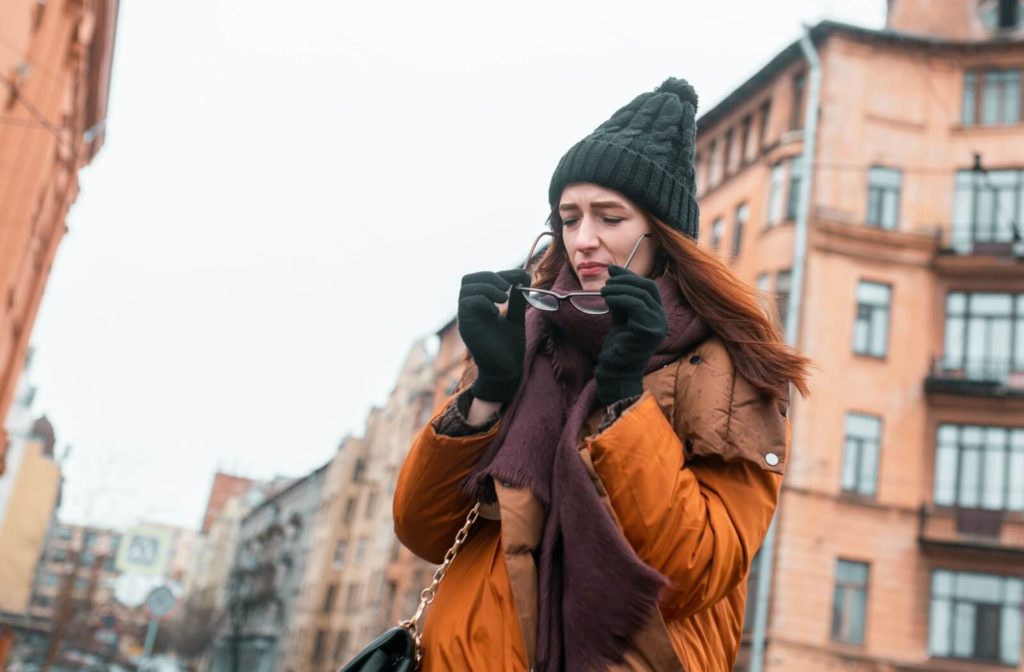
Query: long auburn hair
(733, 310)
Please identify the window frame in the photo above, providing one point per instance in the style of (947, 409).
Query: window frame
(953, 482)
(877, 194)
(989, 366)
(799, 84)
(776, 183)
(975, 81)
(862, 444)
(793, 188)
(738, 228)
(843, 593)
(869, 351)
(954, 601)
(717, 233)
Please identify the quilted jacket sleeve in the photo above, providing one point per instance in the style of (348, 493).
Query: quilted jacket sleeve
(695, 496)
(430, 506)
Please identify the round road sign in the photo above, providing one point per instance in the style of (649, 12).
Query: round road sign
(160, 601)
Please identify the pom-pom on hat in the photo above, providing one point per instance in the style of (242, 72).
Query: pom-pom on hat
(645, 152)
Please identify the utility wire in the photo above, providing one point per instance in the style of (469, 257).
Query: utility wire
(40, 117)
(5, 42)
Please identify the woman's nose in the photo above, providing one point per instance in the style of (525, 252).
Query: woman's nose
(587, 238)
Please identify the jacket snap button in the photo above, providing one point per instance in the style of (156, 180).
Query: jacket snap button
(695, 359)
(772, 459)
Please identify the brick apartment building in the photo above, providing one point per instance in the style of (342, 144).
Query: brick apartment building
(55, 60)
(900, 535)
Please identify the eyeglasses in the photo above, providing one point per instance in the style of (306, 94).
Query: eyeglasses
(591, 303)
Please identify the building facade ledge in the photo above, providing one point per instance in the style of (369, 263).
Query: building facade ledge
(869, 242)
(988, 263)
(997, 533)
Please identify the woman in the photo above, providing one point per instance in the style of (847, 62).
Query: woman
(628, 462)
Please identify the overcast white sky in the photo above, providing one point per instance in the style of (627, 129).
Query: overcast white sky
(289, 194)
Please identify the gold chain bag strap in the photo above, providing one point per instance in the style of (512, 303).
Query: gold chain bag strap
(400, 649)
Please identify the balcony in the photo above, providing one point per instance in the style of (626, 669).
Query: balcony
(975, 378)
(981, 239)
(951, 528)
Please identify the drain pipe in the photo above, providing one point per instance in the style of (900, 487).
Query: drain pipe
(792, 326)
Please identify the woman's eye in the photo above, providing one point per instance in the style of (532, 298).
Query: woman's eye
(569, 222)
(613, 220)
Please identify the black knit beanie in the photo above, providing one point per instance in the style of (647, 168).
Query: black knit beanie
(645, 152)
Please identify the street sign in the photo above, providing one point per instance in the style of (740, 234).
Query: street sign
(143, 550)
(160, 602)
(131, 590)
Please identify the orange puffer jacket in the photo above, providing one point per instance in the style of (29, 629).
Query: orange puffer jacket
(691, 472)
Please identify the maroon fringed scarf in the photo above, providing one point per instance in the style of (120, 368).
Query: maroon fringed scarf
(595, 593)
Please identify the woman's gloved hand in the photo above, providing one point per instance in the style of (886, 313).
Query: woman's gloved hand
(639, 325)
(497, 343)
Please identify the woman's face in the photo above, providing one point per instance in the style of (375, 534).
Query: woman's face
(599, 228)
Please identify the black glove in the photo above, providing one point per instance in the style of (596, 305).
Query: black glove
(639, 325)
(496, 343)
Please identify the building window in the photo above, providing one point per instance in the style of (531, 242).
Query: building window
(991, 97)
(975, 616)
(775, 194)
(747, 147)
(89, 540)
(371, 505)
(1000, 14)
(851, 601)
(979, 467)
(340, 645)
(764, 116)
(340, 551)
(795, 176)
(742, 212)
(783, 280)
(860, 453)
(717, 228)
(883, 197)
(358, 470)
(796, 120)
(871, 325)
(318, 646)
(64, 532)
(984, 336)
(727, 154)
(714, 165)
(360, 555)
(986, 207)
(352, 597)
(332, 593)
(350, 509)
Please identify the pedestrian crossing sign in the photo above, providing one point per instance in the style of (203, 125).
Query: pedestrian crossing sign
(143, 550)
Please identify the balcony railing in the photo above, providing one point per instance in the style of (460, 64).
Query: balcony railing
(995, 531)
(983, 239)
(976, 376)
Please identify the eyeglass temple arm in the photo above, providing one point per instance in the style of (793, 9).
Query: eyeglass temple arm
(636, 248)
(533, 248)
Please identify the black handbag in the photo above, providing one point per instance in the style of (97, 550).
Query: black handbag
(399, 649)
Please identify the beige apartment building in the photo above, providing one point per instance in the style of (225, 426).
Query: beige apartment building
(358, 577)
(900, 534)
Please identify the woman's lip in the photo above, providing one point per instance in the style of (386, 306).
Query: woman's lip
(591, 269)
